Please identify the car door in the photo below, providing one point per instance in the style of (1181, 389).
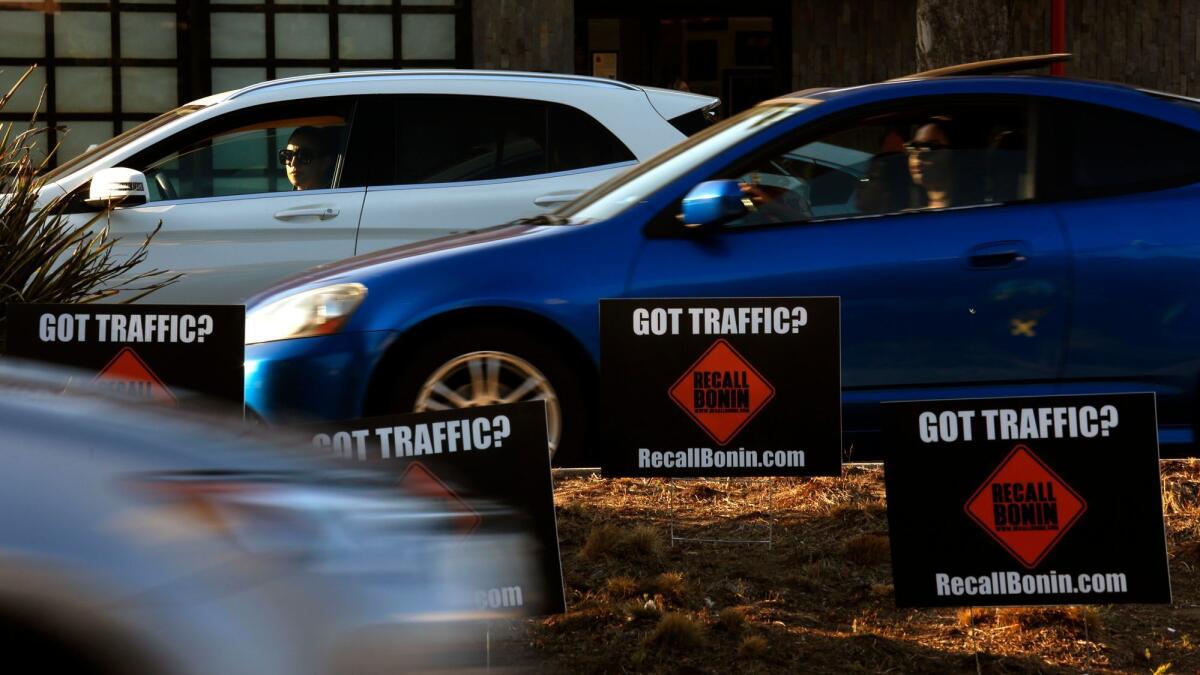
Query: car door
(941, 297)
(231, 220)
(467, 162)
(1127, 189)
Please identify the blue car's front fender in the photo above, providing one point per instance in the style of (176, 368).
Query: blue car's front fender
(297, 380)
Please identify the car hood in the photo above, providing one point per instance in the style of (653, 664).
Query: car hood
(374, 259)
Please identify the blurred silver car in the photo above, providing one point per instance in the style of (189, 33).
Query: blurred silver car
(136, 541)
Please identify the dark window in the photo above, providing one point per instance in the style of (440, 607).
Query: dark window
(695, 121)
(1116, 151)
(446, 139)
(371, 151)
(578, 141)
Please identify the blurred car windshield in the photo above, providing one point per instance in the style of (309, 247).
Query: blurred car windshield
(128, 135)
(614, 196)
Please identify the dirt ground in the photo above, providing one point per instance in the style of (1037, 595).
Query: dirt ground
(819, 598)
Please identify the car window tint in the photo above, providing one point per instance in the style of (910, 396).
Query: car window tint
(370, 151)
(446, 139)
(1113, 150)
(919, 158)
(578, 141)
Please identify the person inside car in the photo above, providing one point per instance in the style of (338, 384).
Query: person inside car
(308, 158)
(930, 162)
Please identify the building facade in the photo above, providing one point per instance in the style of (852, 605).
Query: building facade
(106, 65)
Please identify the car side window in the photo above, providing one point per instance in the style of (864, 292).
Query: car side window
(448, 139)
(1113, 151)
(578, 141)
(922, 157)
(276, 148)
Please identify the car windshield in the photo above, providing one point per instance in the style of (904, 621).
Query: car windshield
(126, 136)
(622, 192)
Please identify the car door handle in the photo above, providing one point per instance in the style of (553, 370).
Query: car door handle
(998, 255)
(321, 212)
(557, 198)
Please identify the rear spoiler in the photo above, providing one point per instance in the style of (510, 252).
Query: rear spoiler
(686, 111)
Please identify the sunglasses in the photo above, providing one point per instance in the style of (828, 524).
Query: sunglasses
(919, 148)
(301, 156)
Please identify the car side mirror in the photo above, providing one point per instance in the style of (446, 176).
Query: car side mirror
(712, 204)
(117, 186)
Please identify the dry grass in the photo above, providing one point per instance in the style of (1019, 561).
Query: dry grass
(636, 544)
(676, 631)
(668, 584)
(621, 587)
(602, 542)
(732, 619)
(819, 599)
(646, 608)
(1080, 618)
(974, 616)
(882, 590)
(867, 549)
(752, 647)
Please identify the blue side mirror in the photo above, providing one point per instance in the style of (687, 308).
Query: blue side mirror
(713, 203)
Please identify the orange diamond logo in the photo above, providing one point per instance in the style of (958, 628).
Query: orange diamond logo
(722, 392)
(1025, 506)
(128, 375)
(418, 480)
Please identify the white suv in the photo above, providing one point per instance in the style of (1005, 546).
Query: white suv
(256, 184)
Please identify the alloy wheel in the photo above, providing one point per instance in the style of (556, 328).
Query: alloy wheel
(490, 378)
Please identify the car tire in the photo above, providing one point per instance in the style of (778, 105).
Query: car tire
(522, 366)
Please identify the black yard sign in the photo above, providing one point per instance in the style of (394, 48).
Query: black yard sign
(721, 387)
(1026, 501)
(160, 353)
(487, 471)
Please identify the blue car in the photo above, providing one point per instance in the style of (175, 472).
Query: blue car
(989, 235)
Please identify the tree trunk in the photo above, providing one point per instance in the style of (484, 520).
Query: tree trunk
(950, 32)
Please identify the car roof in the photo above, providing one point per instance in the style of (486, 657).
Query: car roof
(550, 86)
(1009, 64)
(1170, 107)
(437, 73)
(1009, 68)
(832, 93)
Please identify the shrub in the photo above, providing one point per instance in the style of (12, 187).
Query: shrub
(867, 549)
(676, 631)
(668, 584)
(752, 647)
(43, 258)
(621, 587)
(637, 544)
(732, 619)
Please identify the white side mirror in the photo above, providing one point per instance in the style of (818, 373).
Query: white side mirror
(117, 186)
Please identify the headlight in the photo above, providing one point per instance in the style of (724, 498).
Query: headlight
(315, 312)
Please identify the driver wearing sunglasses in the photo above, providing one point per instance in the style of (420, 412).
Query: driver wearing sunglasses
(308, 158)
(930, 162)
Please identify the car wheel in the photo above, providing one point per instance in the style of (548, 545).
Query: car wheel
(496, 366)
